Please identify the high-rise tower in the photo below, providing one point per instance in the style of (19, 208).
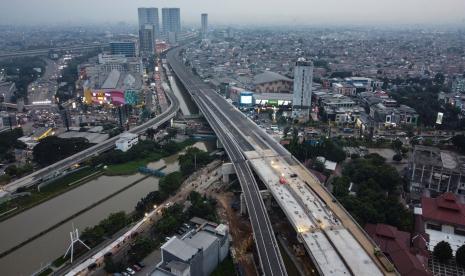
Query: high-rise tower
(149, 16)
(149, 29)
(302, 98)
(204, 29)
(171, 21)
(146, 40)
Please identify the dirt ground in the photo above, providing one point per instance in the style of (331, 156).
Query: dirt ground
(289, 236)
(388, 154)
(241, 232)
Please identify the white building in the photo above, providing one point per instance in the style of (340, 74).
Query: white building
(302, 98)
(197, 253)
(126, 141)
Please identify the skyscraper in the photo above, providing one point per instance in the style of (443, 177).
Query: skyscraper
(302, 97)
(149, 16)
(204, 29)
(171, 21)
(147, 40)
(149, 29)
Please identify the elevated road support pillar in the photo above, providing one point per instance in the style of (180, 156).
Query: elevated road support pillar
(227, 169)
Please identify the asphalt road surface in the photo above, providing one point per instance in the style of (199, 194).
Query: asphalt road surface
(235, 144)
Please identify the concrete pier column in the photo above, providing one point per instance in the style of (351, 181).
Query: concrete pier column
(218, 144)
(267, 198)
(243, 205)
(227, 169)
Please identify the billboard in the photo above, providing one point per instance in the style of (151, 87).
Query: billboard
(246, 98)
(131, 97)
(439, 118)
(114, 97)
(273, 102)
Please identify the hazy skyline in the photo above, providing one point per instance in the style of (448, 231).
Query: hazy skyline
(262, 12)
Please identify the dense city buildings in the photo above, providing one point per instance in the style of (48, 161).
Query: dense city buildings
(112, 79)
(347, 144)
(302, 96)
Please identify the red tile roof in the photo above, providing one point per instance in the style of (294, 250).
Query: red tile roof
(396, 245)
(445, 209)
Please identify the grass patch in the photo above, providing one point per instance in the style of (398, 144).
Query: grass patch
(53, 189)
(225, 268)
(59, 261)
(131, 167)
(48, 271)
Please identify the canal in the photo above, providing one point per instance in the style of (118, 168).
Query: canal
(51, 245)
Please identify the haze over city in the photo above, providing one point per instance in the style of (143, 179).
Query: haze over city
(227, 138)
(241, 12)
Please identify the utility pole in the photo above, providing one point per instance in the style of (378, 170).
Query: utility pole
(195, 161)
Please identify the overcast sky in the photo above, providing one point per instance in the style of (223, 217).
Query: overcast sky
(305, 12)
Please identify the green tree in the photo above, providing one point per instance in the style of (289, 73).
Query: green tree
(397, 157)
(396, 145)
(376, 187)
(318, 165)
(170, 183)
(193, 159)
(459, 142)
(141, 247)
(114, 222)
(442, 251)
(51, 149)
(439, 78)
(171, 133)
(11, 170)
(341, 186)
(110, 266)
(9, 141)
(460, 256)
(150, 132)
(202, 206)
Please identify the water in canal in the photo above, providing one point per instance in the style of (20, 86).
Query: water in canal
(46, 248)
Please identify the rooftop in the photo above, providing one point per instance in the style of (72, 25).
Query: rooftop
(180, 249)
(112, 80)
(446, 208)
(269, 76)
(432, 156)
(396, 245)
(201, 240)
